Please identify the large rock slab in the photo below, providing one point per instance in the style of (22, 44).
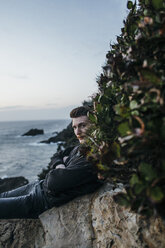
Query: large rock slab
(91, 221)
(69, 226)
(96, 221)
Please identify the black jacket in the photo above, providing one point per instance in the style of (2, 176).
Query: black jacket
(77, 178)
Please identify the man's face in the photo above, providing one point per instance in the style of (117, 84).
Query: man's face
(80, 126)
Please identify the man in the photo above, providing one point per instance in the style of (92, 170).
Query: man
(71, 175)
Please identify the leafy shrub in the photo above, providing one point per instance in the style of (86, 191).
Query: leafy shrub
(127, 138)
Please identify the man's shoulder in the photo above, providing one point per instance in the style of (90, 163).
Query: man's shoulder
(68, 150)
(78, 160)
(75, 148)
(65, 152)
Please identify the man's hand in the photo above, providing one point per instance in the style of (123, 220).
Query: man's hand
(60, 166)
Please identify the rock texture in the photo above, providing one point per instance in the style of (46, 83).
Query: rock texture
(117, 227)
(21, 234)
(91, 221)
(10, 183)
(70, 225)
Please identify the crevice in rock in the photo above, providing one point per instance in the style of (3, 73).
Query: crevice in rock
(93, 236)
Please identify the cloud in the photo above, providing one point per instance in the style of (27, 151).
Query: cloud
(51, 104)
(12, 107)
(23, 107)
(11, 114)
(17, 76)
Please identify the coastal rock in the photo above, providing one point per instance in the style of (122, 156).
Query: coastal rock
(33, 132)
(10, 183)
(91, 221)
(66, 135)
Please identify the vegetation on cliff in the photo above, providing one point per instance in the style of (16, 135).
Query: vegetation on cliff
(127, 139)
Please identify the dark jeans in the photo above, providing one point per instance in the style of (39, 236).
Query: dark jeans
(27, 201)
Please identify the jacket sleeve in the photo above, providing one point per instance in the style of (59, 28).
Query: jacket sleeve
(59, 180)
(58, 158)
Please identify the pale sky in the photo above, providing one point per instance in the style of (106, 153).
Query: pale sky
(51, 52)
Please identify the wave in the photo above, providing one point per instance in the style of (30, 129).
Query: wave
(40, 144)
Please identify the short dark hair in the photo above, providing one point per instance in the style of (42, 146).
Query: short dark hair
(79, 111)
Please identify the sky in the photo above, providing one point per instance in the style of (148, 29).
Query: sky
(51, 52)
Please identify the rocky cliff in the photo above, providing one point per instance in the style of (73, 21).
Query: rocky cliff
(91, 221)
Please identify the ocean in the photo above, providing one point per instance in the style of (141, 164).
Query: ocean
(24, 155)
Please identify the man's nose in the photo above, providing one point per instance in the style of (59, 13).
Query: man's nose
(78, 131)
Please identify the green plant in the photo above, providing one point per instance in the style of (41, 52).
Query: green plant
(127, 138)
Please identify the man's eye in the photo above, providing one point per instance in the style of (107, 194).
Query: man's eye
(83, 125)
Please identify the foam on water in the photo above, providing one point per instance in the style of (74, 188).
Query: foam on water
(25, 155)
(40, 144)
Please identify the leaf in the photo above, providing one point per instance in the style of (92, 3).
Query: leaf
(147, 171)
(135, 112)
(107, 119)
(156, 194)
(117, 109)
(134, 179)
(124, 129)
(146, 12)
(99, 108)
(133, 104)
(129, 4)
(139, 188)
(157, 4)
(121, 110)
(132, 29)
(122, 199)
(116, 149)
(118, 118)
(146, 2)
(150, 77)
(102, 99)
(102, 167)
(92, 118)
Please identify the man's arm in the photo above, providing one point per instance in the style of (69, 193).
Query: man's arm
(60, 157)
(60, 166)
(61, 179)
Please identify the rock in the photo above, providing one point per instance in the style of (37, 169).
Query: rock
(21, 234)
(91, 221)
(33, 132)
(96, 221)
(66, 136)
(55, 133)
(10, 183)
(115, 226)
(70, 225)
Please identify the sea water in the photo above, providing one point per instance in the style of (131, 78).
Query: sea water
(25, 155)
